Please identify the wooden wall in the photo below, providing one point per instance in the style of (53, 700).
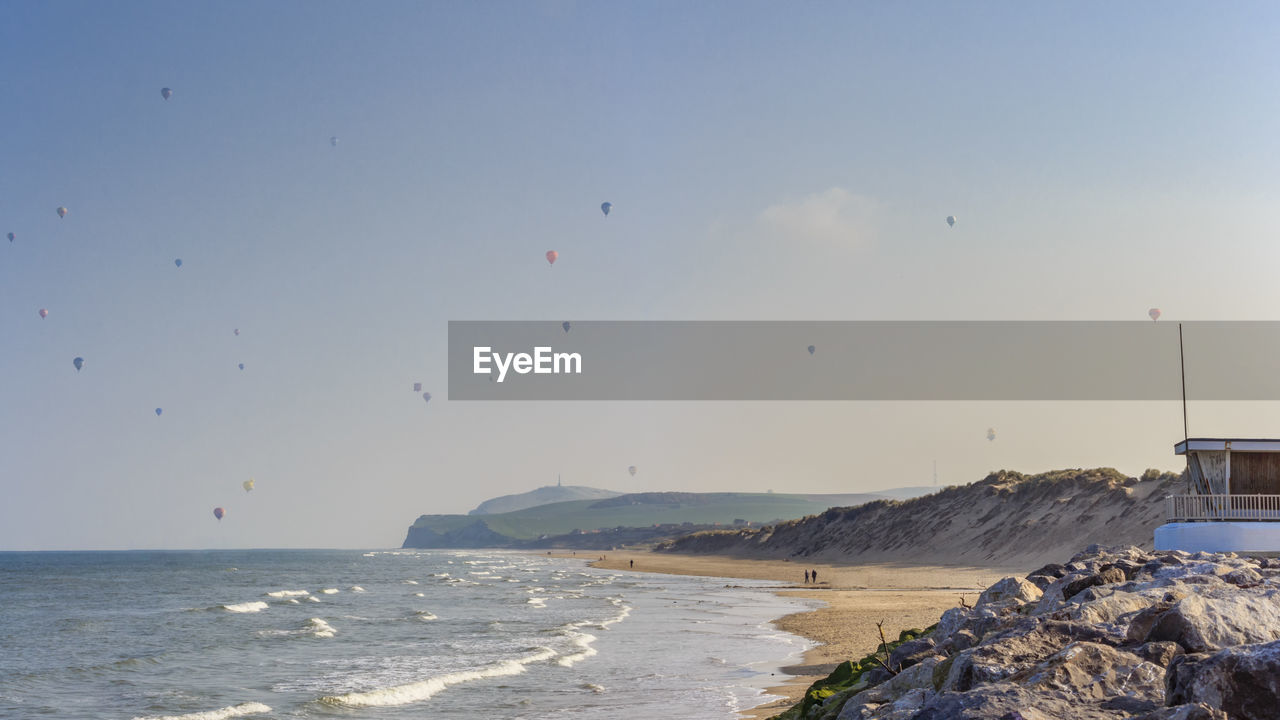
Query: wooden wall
(1255, 473)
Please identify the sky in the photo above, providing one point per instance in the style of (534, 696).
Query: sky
(765, 161)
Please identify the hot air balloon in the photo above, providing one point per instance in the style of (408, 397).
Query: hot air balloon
(426, 397)
(1154, 314)
(951, 220)
(551, 256)
(44, 313)
(632, 470)
(565, 325)
(237, 331)
(159, 411)
(812, 349)
(991, 434)
(417, 387)
(78, 362)
(334, 141)
(605, 208)
(247, 485)
(219, 512)
(166, 93)
(12, 237)
(178, 262)
(62, 212)
(241, 366)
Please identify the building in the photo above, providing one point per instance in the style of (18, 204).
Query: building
(1233, 503)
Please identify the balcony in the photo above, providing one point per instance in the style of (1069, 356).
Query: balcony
(1209, 508)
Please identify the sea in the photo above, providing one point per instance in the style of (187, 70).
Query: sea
(208, 635)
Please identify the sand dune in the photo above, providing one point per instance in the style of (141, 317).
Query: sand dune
(1006, 519)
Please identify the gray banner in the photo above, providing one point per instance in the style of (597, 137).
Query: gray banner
(868, 360)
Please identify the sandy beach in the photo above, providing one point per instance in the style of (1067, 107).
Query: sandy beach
(855, 598)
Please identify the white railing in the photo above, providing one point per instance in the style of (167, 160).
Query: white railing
(1191, 508)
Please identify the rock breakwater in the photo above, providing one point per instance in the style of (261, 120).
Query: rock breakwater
(1112, 634)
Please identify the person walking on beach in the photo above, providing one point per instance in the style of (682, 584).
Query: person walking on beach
(806, 577)
(633, 564)
(814, 574)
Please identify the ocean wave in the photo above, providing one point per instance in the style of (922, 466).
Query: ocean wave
(410, 582)
(582, 641)
(248, 607)
(287, 593)
(604, 624)
(329, 591)
(356, 588)
(424, 689)
(315, 627)
(319, 628)
(592, 687)
(419, 594)
(232, 711)
(313, 598)
(537, 602)
(425, 615)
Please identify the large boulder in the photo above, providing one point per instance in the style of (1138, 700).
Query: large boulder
(1010, 590)
(1203, 623)
(1244, 682)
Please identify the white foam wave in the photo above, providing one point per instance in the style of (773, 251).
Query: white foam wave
(249, 607)
(356, 588)
(294, 601)
(319, 628)
(537, 602)
(626, 610)
(232, 711)
(583, 642)
(313, 598)
(425, 615)
(419, 594)
(410, 582)
(329, 591)
(287, 593)
(592, 687)
(423, 689)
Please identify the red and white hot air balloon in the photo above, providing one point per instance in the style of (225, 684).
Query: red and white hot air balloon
(219, 512)
(1154, 314)
(44, 313)
(551, 256)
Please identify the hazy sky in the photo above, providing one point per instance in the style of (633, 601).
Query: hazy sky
(766, 161)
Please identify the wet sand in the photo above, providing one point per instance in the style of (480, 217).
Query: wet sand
(855, 598)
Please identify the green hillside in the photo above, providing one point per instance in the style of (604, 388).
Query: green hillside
(634, 510)
(541, 496)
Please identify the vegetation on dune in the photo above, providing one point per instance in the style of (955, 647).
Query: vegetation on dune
(1007, 517)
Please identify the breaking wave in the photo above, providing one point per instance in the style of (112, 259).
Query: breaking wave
(232, 711)
(248, 607)
(423, 689)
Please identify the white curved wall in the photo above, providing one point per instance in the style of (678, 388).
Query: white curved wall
(1219, 536)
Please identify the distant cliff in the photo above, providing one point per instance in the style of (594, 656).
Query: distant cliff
(542, 496)
(623, 519)
(1006, 518)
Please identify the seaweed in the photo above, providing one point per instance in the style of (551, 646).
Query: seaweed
(847, 679)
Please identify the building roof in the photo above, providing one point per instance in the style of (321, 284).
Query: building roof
(1235, 445)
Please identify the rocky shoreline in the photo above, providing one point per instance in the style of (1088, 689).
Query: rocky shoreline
(1112, 634)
